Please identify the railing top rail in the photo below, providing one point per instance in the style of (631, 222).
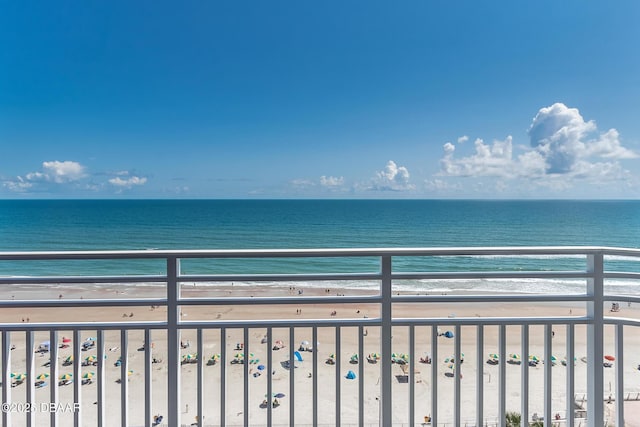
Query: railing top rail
(321, 252)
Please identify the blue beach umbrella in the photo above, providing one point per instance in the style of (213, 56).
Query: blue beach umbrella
(260, 367)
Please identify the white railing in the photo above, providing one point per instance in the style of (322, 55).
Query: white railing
(26, 406)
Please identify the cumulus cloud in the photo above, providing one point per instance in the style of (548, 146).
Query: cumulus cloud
(53, 172)
(62, 176)
(564, 138)
(58, 172)
(563, 148)
(488, 160)
(463, 139)
(392, 178)
(331, 181)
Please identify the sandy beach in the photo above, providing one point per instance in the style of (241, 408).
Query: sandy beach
(325, 347)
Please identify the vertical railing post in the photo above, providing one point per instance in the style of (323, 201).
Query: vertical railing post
(457, 371)
(595, 340)
(124, 377)
(570, 376)
(548, 365)
(148, 385)
(200, 380)
(77, 376)
(6, 376)
(524, 376)
(480, 375)
(619, 375)
(502, 376)
(386, 332)
(31, 392)
(100, 389)
(53, 370)
(173, 341)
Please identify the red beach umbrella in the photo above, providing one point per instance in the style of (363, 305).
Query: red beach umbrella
(610, 358)
(66, 340)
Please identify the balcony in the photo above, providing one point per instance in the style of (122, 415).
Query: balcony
(351, 337)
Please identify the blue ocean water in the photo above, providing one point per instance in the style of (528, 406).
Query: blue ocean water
(29, 225)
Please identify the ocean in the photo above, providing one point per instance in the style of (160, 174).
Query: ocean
(30, 225)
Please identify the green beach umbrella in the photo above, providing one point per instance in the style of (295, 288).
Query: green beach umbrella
(42, 376)
(515, 356)
(494, 356)
(65, 377)
(88, 375)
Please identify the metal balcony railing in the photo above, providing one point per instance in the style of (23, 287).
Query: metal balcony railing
(162, 283)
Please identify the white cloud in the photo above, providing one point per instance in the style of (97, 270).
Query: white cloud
(392, 178)
(17, 186)
(58, 172)
(488, 160)
(331, 181)
(53, 172)
(463, 139)
(562, 136)
(127, 182)
(564, 148)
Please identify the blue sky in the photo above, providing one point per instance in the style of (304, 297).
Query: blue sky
(412, 99)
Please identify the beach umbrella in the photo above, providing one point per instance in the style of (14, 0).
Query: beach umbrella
(66, 340)
(448, 334)
(20, 377)
(90, 359)
(332, 356)
(297, 356)
(350, 375)
(129, 373)
(42, 376)
(374, 356)
(494, 356)
(279, 395)
(304, 343)
(65, 377)
(91, 339)
(88, 375)
(610, 358)
(260, 367)
(69, 359)
(514, 356)
(534, 358)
